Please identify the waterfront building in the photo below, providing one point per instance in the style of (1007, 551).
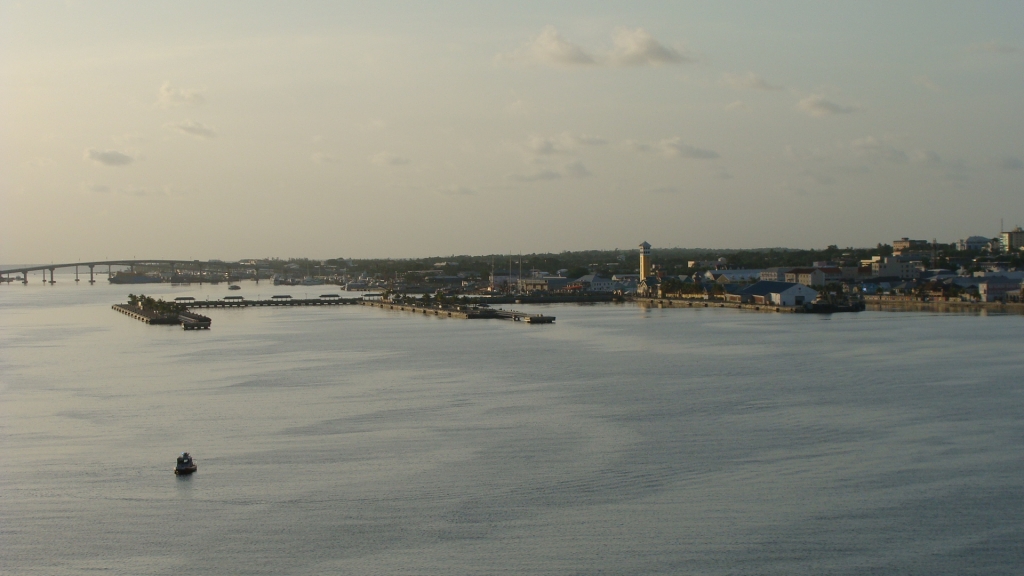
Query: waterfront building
(1013, 240)
(777, 293)
(895, 266)
(972, 244)
(732, 276)
(907, 245)
(774, 274)
(596, 283)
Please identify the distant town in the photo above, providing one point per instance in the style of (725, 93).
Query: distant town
(974, 269)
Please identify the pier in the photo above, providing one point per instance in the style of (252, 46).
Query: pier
(468, 312)
(239, 302)
(695, 303)
(188, 320)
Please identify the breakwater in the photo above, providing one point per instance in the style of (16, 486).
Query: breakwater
(467, 312)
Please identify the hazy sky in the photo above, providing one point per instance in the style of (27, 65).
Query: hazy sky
(326, 129)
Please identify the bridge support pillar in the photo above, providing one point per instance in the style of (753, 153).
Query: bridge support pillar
(24, 279)
(51, 276)
(91, 279)
(76, 273)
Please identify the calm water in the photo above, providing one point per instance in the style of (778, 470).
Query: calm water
(620, 440)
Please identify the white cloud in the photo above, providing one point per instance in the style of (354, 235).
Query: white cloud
(171, 97)
(108, 157)
(748, 81)
(389, 159)
(994, 47)
(191, 128)
(631, 47)
(817, 105)
(552, 49)
(870, 148)
(636, 47)
(675, 147)
(457, 191)
(576, 169)
(539, 176)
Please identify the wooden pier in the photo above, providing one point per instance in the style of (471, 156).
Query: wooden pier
(188, 320)
(243, 303)
(468, 312)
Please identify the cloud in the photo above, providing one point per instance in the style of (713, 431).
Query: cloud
(191, 128)
(539, 176)
(587, 140)
(552, 49)
(748, 81)
(636, 47)
(631, 47)
(816, 105)
(636, 146)
(871, 148)
(675, 147)
(563, 143)
(457, 191)
(926, 82)
(926, 157)
(576, 169)
(324, 158)
(171, 97)
(1011, 163)
(994, 47)
(96, 188)
(108, 157)
(546, 146)
(389, 159)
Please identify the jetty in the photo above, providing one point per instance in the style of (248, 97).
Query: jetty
(280, 300)
(461, 311)
(188, 320)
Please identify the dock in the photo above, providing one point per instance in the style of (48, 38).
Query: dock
(188, 320)
(239, 302)
(467, 312)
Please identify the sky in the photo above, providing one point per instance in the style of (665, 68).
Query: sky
(229, 130)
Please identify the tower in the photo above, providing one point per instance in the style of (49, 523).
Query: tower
(645, 260)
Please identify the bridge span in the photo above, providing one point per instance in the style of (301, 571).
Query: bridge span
(7, 275)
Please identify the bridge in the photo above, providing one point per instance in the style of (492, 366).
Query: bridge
(6, 275)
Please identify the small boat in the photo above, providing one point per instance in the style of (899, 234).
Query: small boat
(185, 465)
(234, 287)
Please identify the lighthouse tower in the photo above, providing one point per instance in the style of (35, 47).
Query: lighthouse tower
(645, 260)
